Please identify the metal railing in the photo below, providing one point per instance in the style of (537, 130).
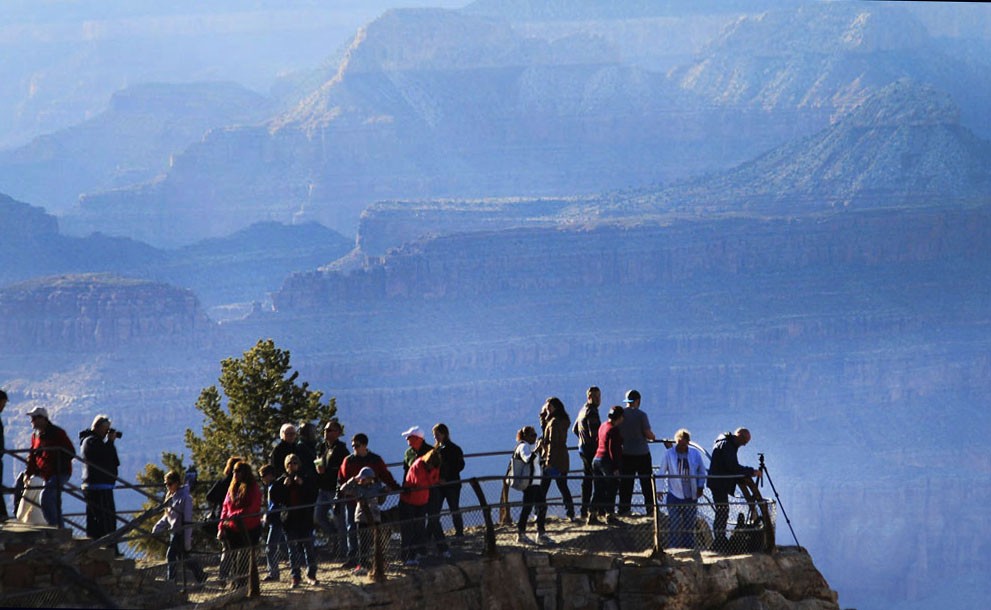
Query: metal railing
(489, 524)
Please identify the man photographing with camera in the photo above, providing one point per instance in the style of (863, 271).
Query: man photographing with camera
(99, 476)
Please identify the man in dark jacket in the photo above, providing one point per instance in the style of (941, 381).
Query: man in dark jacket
(99, 476)
(286, 445)
(586, 428)
(295, 493)
(331, 452)
(3, 501)
(725, 472)
(51, 460)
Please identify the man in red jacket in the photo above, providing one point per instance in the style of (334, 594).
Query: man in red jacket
(351, 466)
(50, 459)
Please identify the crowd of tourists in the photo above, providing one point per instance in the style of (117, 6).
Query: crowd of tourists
(313, 482)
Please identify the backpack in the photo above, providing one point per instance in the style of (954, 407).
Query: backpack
(519, 474)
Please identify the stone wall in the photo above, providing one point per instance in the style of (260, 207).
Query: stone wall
(44, 567)
(784, 580)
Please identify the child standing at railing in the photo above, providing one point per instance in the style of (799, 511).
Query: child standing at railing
(370, 494)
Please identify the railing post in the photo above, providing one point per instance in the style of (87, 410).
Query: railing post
(658, 547)
(490, 538)
(378, 558)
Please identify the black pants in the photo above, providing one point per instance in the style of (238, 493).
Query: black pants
(3, 500)
(177, 555)
(640, 466)
(101, 512)
(452, 495)
(720, 499)
(435, 531)
(587, 486)
(533, 496)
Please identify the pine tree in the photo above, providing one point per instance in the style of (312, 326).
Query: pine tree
(262, 394)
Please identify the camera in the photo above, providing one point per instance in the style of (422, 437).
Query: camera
(115, 433)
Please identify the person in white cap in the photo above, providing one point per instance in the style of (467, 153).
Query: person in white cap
(50, 459)
(417, 446)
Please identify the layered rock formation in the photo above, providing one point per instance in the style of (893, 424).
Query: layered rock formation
(649, 256)
(97, 313)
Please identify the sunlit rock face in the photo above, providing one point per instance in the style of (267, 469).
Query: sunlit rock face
(96, 313)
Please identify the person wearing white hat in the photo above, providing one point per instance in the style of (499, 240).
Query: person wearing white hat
(50, 459)
(417, 446)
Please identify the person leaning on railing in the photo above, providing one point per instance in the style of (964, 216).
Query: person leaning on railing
(725, 472)
(685, 472)
(240, 520)
(51, 459)
(178, 522)
(607, 464)
(350, 467)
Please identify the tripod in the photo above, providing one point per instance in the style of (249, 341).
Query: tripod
(767, 475)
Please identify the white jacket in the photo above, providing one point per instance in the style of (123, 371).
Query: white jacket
(695, 476)
(178, 515)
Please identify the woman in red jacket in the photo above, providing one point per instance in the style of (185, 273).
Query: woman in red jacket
(240, 520)
(422, 475)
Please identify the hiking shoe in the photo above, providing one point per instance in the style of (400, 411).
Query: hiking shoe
(543, 538)
(522, 538)
(592, 520)
(271, 578)
(349, 564)
(360, 571)
(311, 579)
(295, 582)
(613, 520)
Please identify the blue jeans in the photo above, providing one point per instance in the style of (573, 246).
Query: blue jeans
(300, 550)
(51, 500)
(605, 485)
(681, 522)
(352, 528)
(275, 547)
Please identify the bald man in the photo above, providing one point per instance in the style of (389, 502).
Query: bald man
(725, 472)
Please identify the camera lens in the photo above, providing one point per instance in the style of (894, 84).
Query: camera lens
(118, 433)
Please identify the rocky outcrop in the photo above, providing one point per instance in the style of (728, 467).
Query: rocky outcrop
(389, 224)
(96, 313)
(31, 222)
(647, 256)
